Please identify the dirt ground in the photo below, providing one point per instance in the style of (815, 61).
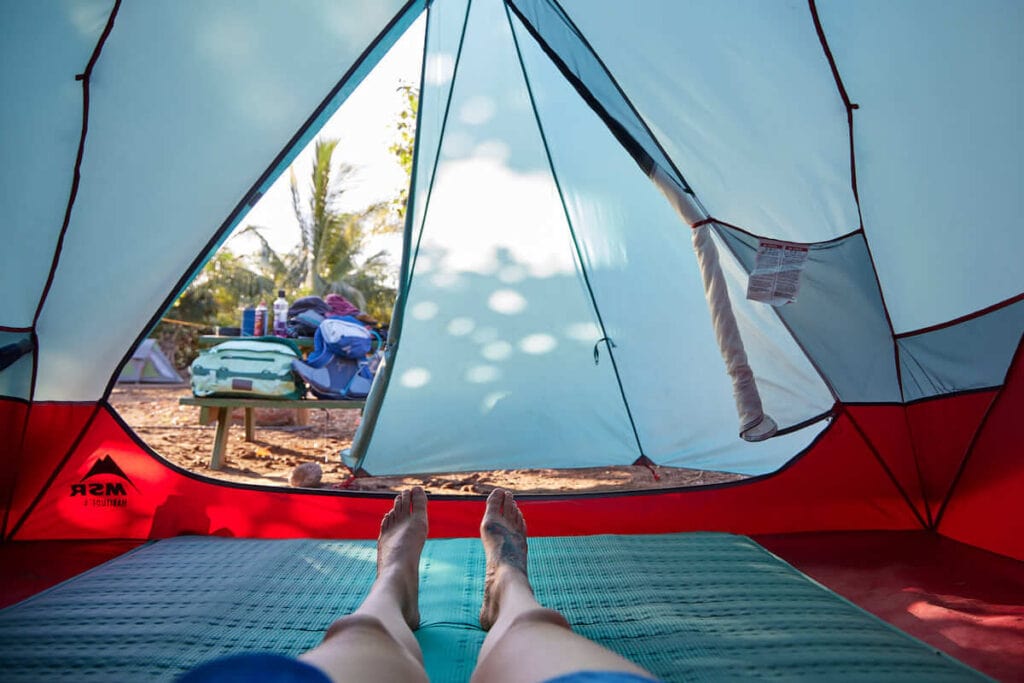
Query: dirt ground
(280, 445)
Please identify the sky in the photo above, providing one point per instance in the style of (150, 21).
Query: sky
(365, 126)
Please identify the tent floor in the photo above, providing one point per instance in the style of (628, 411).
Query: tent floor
(964, 601)
(28, 567)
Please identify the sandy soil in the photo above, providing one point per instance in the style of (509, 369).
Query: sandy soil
(174, 432)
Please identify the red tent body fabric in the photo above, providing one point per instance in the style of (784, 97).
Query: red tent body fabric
(100, 482)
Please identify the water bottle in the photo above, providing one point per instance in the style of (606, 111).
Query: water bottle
(281, 315)
(260, 325)
(248, 321)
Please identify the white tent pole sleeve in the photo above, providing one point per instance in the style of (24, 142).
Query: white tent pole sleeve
(754, 424)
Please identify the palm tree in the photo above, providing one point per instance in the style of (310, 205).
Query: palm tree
(328, 257)
(331, 240)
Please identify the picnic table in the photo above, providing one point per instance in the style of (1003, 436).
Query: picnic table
(219, 409)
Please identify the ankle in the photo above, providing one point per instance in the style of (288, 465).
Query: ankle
(511, 576)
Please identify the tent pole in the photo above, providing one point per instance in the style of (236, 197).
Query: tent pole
(755, 425)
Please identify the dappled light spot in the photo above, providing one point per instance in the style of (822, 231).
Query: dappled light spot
(481, 374)
(414, 378)
(497, 350)
(440, 68)
(460, 327)
(585, 332)
(493, 399)
(507, 301)
(367, 554)
(477, 110)
(538, 343)
(424, 310)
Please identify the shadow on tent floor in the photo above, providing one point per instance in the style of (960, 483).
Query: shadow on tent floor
(966, 602)
(28, 567)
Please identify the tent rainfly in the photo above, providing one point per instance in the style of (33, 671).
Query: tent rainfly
(780, 239)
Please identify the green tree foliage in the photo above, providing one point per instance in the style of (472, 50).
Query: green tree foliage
(404, 145)
(225, 285)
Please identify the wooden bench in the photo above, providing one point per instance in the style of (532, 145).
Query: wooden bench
(220, 409)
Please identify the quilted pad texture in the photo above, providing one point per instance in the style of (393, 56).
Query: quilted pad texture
(689, 607)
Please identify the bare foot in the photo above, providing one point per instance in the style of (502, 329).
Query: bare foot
(503, 532)
(403, 532)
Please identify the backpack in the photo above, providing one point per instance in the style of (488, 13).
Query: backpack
(255, 368)
(345, 337)
(340, 378)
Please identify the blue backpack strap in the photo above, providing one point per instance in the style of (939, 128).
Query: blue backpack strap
(320, 355)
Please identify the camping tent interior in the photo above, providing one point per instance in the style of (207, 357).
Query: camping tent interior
(598, 187)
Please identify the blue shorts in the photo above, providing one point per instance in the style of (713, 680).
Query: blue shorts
(255, 667)
(279, 669)
(600, 677)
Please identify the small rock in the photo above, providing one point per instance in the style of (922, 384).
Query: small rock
(306, 475)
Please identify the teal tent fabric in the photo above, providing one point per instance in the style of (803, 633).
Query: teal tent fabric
(838, 317)
(553, 325)
(974, 354)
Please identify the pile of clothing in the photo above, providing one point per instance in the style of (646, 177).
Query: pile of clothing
(347, 346)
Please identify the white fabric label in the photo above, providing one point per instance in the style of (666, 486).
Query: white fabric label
(776, 276)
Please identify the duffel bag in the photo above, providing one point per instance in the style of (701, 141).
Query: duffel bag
(254, 368)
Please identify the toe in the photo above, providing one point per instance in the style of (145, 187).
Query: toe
(495, 502)
(508, 507)
(418, 500)
(401, 503)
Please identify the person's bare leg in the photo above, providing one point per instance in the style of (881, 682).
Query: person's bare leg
(526, 641)
(376, 641)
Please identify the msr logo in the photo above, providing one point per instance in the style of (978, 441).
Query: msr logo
(107, 492)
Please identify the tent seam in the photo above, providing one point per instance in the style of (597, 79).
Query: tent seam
(587, 95)
(56, 471)
(76, 177)
(970, 450)
(440, 140)
(850, 107)
(572, 232)
(410, 254)
(881, 461)
(980, 313)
